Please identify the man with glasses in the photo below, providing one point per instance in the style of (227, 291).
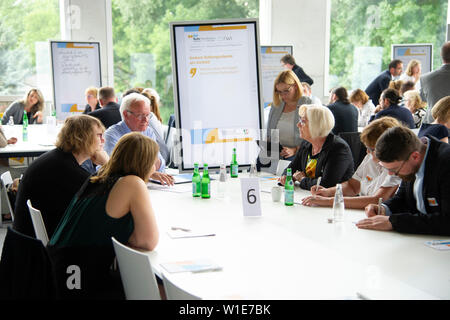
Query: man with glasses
(135, 112)
(422, 203)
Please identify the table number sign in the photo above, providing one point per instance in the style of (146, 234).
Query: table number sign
(251, 202)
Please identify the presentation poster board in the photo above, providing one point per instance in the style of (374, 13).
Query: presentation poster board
(270, 68)
(217, 91)
(420, 51)
(75, 67)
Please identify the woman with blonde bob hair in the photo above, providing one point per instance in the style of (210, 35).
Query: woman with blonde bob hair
(287, 98)
(440, 127)
(321, 153)
(115, 203)
(370, 182)
(52, 180)
(32, 104)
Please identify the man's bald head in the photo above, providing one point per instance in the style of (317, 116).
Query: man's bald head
(445, 52)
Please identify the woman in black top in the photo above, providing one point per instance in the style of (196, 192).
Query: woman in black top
(92, 100)
(321, 153)
(52, 180)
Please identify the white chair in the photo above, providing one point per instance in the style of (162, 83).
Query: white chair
(38, 223)
(282, 164)
(176, 293)
(7, 179)
(138, 279)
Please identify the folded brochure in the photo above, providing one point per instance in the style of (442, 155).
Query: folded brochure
(196, 265)
(439, 244)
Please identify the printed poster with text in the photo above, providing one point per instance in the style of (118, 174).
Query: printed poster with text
(218, 90)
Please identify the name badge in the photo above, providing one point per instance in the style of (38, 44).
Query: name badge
(432, 202)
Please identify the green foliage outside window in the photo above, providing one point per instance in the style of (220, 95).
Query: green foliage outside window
(22, 24)
(141, 37)
(381, 23)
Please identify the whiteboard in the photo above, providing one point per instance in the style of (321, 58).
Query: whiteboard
(217, 91)
(271, 68)
(75, 67)
(420, 51)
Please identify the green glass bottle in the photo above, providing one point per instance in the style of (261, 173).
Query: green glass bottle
(196, 182)
(25, 126)
(289, 189)
(206, 183)
(234, 167)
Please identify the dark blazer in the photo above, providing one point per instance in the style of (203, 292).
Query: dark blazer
(88, 108)
(436, 190)
(377, 86)
(402, 114)
(334, 165)
(434, 86)
(345, 117)
(50, 182)
(108, 115)
(301, 75)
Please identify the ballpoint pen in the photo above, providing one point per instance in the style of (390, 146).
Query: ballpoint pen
(318, 183)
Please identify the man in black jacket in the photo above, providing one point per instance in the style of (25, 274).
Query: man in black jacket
(422, 203)
(377, 86)
(288, 62)
(109, 112)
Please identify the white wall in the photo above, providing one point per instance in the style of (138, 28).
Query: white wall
(90, 20)
(305, 24)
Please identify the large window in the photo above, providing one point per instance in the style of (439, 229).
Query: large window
(25, 28)
(362, 33)
(141, 38)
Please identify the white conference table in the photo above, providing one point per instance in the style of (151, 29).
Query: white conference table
(41, 138)
(292, 252)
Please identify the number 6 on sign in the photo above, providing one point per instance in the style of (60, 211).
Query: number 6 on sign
(251, 197)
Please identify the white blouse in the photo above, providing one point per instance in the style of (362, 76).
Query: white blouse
(372, 176)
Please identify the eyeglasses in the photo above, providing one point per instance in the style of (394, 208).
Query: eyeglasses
(399, 169)
(141, 116)
(302, 122)
(284, 91)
